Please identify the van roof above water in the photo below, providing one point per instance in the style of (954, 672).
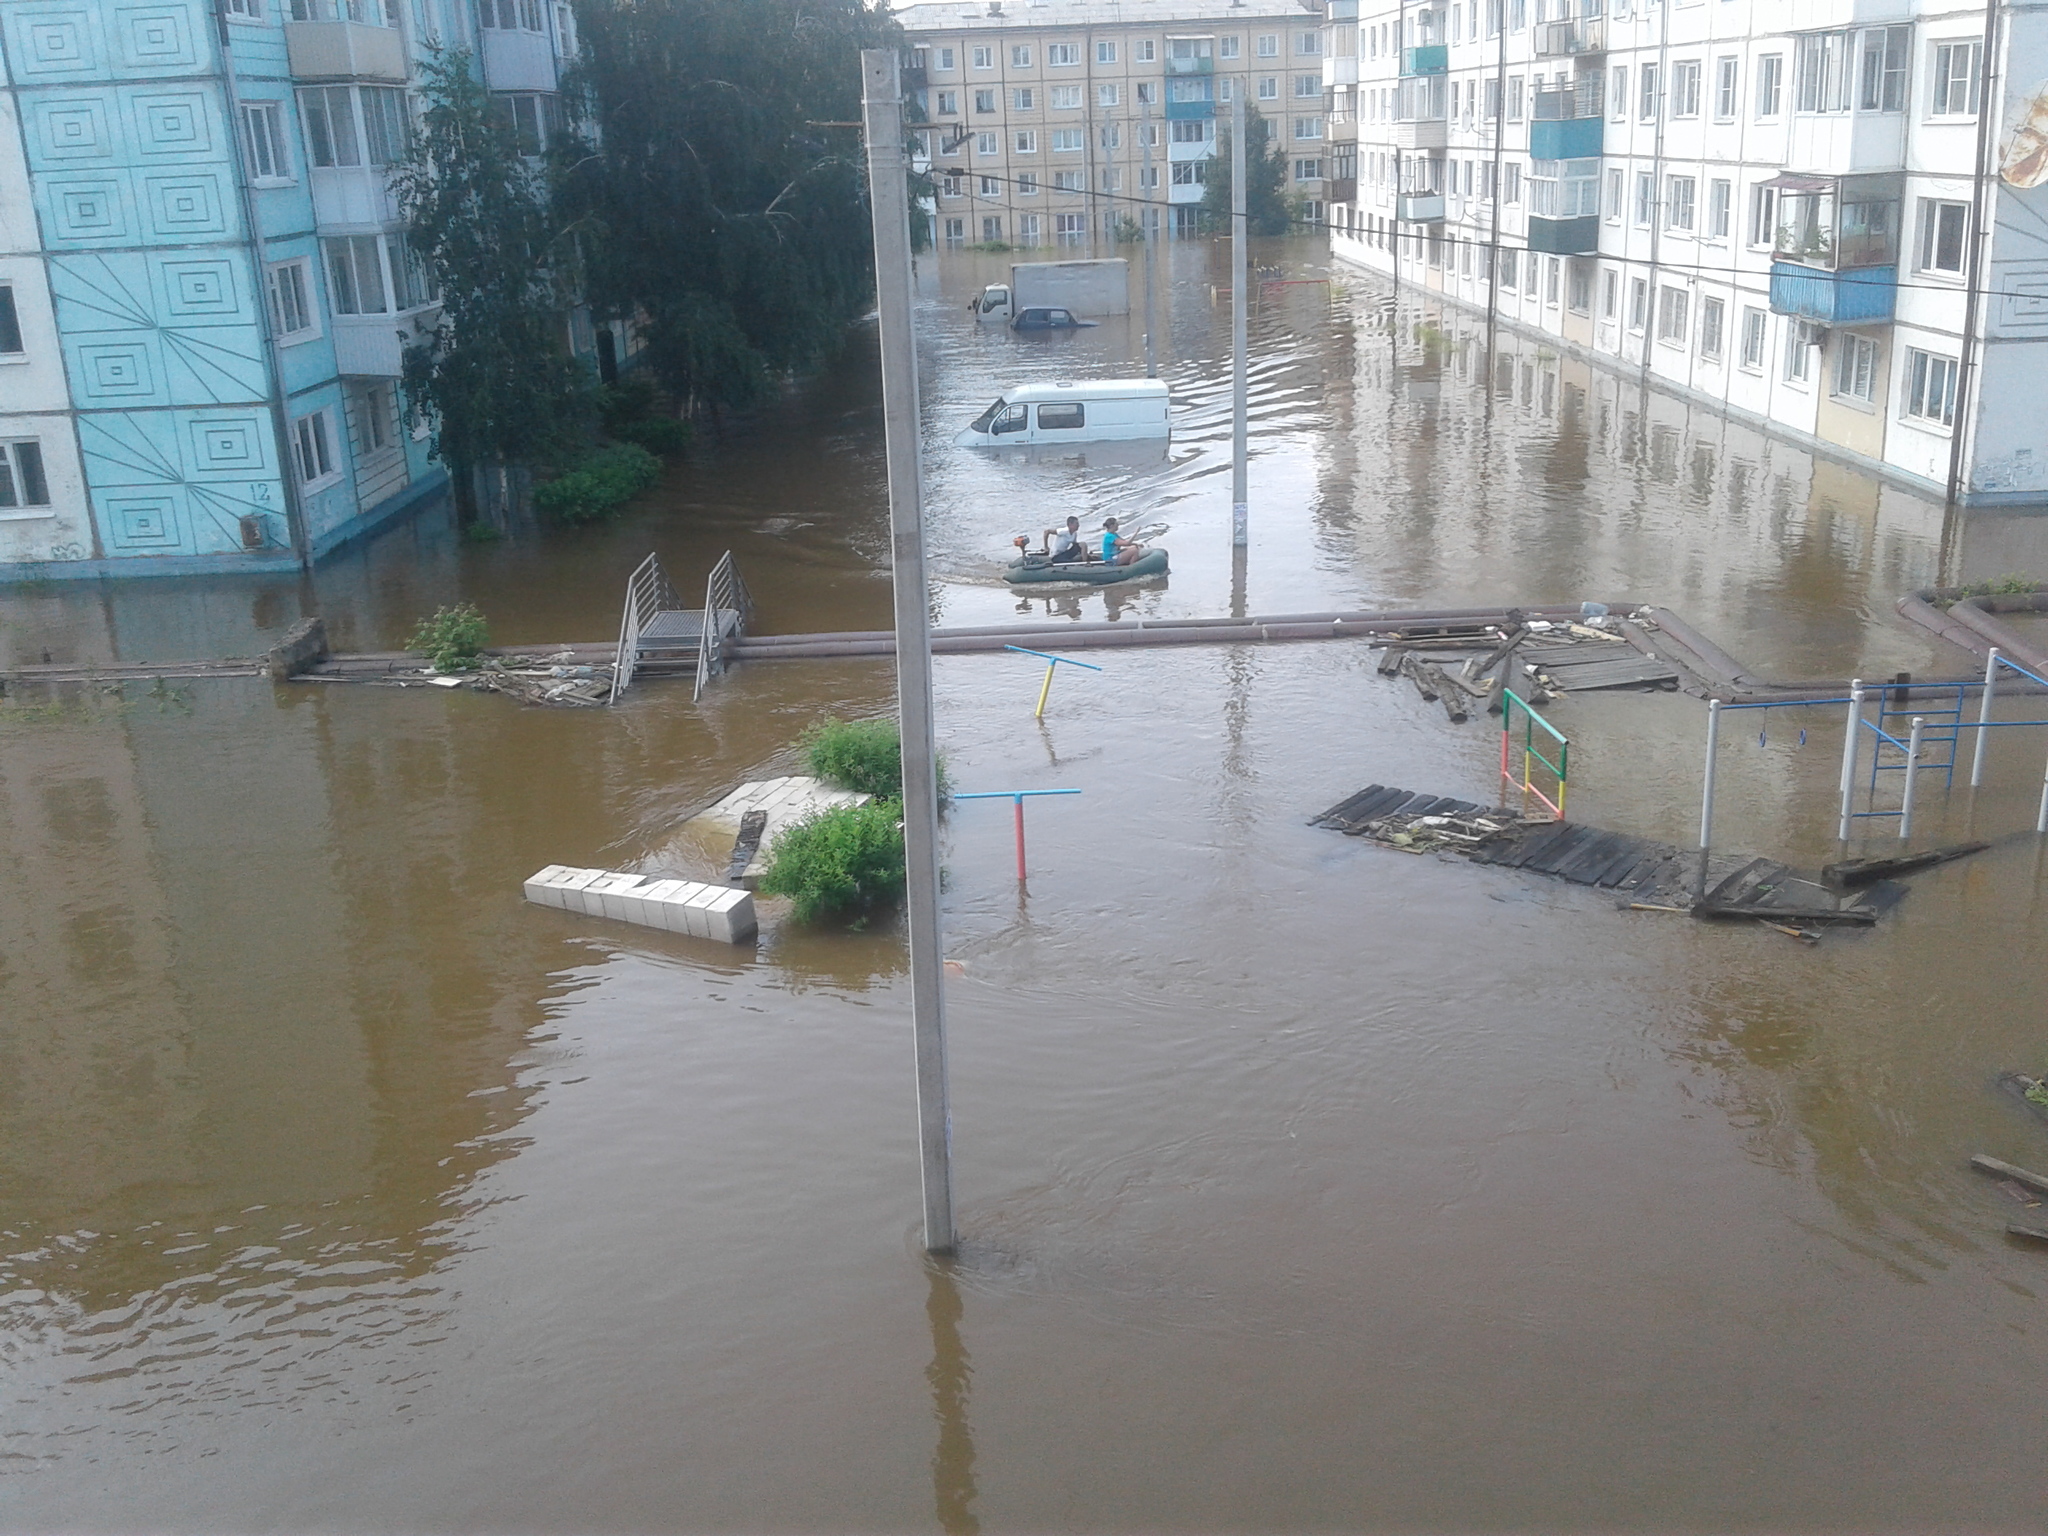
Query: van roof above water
(1089, 389)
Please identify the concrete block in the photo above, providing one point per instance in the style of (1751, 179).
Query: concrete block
(611, 897)
(540, 887)
(731, 915)
(662, 901)
(675, 906)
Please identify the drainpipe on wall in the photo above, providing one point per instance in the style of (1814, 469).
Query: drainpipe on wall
(273, 364)
(1988, 104)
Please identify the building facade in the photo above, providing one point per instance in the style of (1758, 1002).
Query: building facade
(1042, 113)
(204, 287)
(1825, 215)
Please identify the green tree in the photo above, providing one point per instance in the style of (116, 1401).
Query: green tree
(495, 376)
(723, 207)
(1266, 206)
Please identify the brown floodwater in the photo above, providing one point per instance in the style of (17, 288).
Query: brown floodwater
(1302, 1183)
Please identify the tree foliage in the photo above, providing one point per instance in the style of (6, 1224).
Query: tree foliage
(1266, 207)
(713, 206)
(495, 376)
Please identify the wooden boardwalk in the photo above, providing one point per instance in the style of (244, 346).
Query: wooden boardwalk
(1637, 870)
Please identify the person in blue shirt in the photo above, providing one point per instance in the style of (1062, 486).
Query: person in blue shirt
(1116, 549)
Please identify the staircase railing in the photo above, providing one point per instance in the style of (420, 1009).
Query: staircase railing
(648, 592)
(724, 592)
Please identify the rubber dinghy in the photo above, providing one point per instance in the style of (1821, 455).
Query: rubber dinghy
(1034, 569)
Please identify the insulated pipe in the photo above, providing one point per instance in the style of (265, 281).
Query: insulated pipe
(1852, 744)
(2041, 817)
(1984, 719)
(1707, 778)
(1912, 777)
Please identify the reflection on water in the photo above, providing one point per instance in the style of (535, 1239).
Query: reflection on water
(340, 1188)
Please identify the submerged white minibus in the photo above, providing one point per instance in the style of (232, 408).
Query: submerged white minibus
(1101, 410)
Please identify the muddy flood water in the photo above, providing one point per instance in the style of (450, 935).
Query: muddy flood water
(1303, 1184)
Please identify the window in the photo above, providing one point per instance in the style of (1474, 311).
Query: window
(984, 58)
(1646, 93)
(1148, 134)
(1720, 203)
(1821, 72)
(1941, 235)
(375, 419)
(1646, 198)
(1579, 288)
(1024, 141)
(1023, 98)
(1763, 216)
(530, 117)
(1755, 332)
(1514, 98)
(1027, 184)
(947, 59)
(1617, 98)
(1614, 195)
(1060, 54)
(367, 12)
(1955, 82)
(949, 103)
(1685, 88)
(1855, 367)
(263, 142)
(1148, 178)
(1713, 313)
(1308, 45)
(1105, 53)
(1678, 202)
(1189, 173)
(1229, 47)
(1610, 294)
(1308, 170)
(22, 482)
(1798, 351)
(1146, 51)
(991, 229)
(1147, 92)
(1069, 228)
(1269, 87)
(949, 186)
(1112, 179)
(1674, 308)
(1193, 130)
(245, 10)
(1020, 56)
(1107, 95)
(1511, 182)
(1308, 128)
(985, 144)
(411, 285)
(504, 15)
(387, 130)
(10, 324)
(1930, 388)
(1884, 69)
(1027, 229)
(330, 114)
(1067, 140)
(1508, 260)
(1727, 72)
(1564, 189)
(312, 447)
(1070, 181)
(984, 101)
(956, 234)
(289, 285)
(1770, 85)
(1308, 86)
(990, 187)
(1269, 46)
(1638, 303)
(355, 275)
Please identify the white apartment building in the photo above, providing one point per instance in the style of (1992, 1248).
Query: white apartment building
(1041, 113)
(1829, 216)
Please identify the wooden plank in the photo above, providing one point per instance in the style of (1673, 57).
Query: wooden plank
(1992, 1165)
(1553, 856)
(1342, 810)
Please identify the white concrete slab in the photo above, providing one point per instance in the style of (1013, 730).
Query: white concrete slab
(675, 906)
(785, 800)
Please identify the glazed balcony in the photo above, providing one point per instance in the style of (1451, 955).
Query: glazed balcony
(1435, 59)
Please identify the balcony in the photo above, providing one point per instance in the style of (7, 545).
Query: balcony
(1344, 189)
(344, 50)
(1419, 207)
(1432, 60)
(349, 197)
(1343, 10)
(1565, 237)
(1341, 69)
(517, 61)
(914, 77)
(1204, 65)
(1859, 296)
(1564, 39)
(1422, 133)
(1189, 111)
(373, 346)
(1565, 138)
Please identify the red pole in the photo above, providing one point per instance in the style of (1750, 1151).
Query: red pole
(1020, 839)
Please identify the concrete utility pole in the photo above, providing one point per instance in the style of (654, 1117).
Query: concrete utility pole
(881, 104)
(1151, 217)
(1240, 511)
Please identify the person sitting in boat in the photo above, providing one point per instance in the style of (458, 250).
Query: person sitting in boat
(1116, 549)
(1064, 545)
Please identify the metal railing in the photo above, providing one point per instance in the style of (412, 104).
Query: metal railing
(648, 592)
(1532, 754)
(1583, 98)
(724, 592)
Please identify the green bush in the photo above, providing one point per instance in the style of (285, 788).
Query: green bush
(865, 756)
(599, 483)
(630, 397)
(848, 859)
(657, 434)
(452, 639)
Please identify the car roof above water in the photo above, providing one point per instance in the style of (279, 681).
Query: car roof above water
(1090, 389)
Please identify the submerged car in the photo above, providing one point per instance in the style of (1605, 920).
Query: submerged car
(1039, 318)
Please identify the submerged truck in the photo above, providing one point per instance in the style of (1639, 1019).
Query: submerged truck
(1084, 287)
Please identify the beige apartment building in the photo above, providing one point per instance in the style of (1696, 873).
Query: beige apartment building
(1042, 113)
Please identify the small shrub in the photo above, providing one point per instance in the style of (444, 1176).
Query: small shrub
(482, 533)
(848, 859)
(599, 483)
(657, 434)
(865, 756)
(452, 639)
(2015, 586)
(630, 397)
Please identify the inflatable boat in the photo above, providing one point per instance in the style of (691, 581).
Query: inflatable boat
(1033, 569)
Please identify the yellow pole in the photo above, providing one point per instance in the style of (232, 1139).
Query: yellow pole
(1045, 692)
